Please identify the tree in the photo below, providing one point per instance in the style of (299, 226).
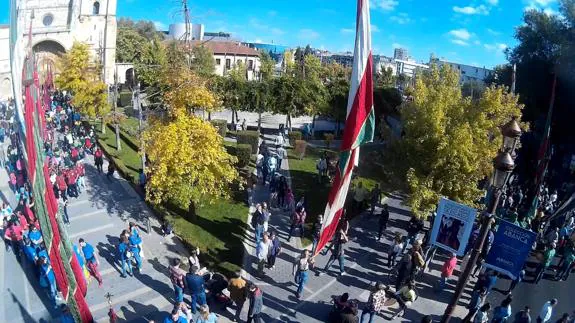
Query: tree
(259, 98)
(203, 62)
(150, 63)
(188, 164)
(235, 86)
(267, 66)
(288, 62)
(337, 95)
(129, 45)
(449, 141)
(145, 28)
(81, 76)
(385, 77)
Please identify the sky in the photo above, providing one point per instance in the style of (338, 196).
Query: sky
(473, 32)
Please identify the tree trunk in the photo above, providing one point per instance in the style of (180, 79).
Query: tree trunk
(209, 116)
(289, 122)
(259, 122)
(192, 211)
(118, 143)
(103, 130)
(233, 120)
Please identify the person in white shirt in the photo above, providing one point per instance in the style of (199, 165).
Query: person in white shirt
(279, 141)
(262, 251)
(547, 311)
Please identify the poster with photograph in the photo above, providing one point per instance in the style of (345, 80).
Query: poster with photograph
(452, 226)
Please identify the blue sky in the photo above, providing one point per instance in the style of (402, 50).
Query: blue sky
(467, 31)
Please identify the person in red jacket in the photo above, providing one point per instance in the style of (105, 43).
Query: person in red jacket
(62, 187)
(81, 171)
(99, 159)
(71, 179)
(13, 234)
(447, 271)
(74, 154)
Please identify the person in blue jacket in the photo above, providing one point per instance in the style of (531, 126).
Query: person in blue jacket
(196, 287)
(123, 250)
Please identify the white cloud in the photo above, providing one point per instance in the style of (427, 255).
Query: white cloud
(346, 30)
(385, 5)
(277, 32)
(493, 2)
(462, 34)
(308, 34)
(496, 47)
(258, 41)
(469, 10)
(374, 28)
(401, 19)
(549, 11)
(543, 3)
(460, 42)
(160, 26)
(493, 32)
(397, 45)
(476, 42)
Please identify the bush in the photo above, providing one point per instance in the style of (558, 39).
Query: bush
(328, 137)
(125, 99)
(241, 151)
(294, 136)
(221, 126)
(249, 137)
(300, 147)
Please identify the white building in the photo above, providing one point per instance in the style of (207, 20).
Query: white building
(57, 24)
(408, 67)
(401, 54)
(467, 73)
(228, 54)
(382, 62)
(5, 77)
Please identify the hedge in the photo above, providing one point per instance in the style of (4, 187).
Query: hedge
(241, 151)
(294, 136)
(125, 99)
(221, 126)
(249, 137)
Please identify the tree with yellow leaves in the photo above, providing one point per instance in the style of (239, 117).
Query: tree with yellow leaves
(80, 75)
(450, 141)
(188, 163)
(183, 90)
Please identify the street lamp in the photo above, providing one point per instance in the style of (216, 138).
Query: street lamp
(503, 166)
(511, 133)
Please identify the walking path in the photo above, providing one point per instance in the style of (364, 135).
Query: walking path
(364, 266)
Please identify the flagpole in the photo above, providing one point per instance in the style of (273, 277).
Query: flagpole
(359, 124)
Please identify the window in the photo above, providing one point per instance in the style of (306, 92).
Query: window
(48, 19)
(228, 63)
(96, 8)
(218, 61)
(250, 64)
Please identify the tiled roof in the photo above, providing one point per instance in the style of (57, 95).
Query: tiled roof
(226, 47)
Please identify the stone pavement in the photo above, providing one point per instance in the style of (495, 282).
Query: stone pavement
(365, 265)
(99, 215)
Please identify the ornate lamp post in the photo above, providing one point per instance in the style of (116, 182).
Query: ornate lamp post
(503, 166)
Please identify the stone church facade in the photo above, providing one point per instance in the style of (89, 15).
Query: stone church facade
(56, 25)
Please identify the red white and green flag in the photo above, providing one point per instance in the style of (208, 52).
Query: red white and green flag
(359, 125)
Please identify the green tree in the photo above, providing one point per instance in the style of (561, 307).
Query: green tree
(149, 65)
(267, 66)
(385, 77)
(129, 45)
(80, 75)
(145, 28)
(450, 141)
(203, 62)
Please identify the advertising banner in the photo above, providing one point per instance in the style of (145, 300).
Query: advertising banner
(452, 226)
(510, 248)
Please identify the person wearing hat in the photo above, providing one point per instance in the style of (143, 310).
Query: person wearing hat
(548, 256)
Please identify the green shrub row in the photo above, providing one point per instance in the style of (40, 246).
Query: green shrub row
(241, 151)
(250, 138)
(221, 126)
(294, 136)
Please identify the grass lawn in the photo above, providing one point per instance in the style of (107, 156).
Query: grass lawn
(305, 183)
(218, 228)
